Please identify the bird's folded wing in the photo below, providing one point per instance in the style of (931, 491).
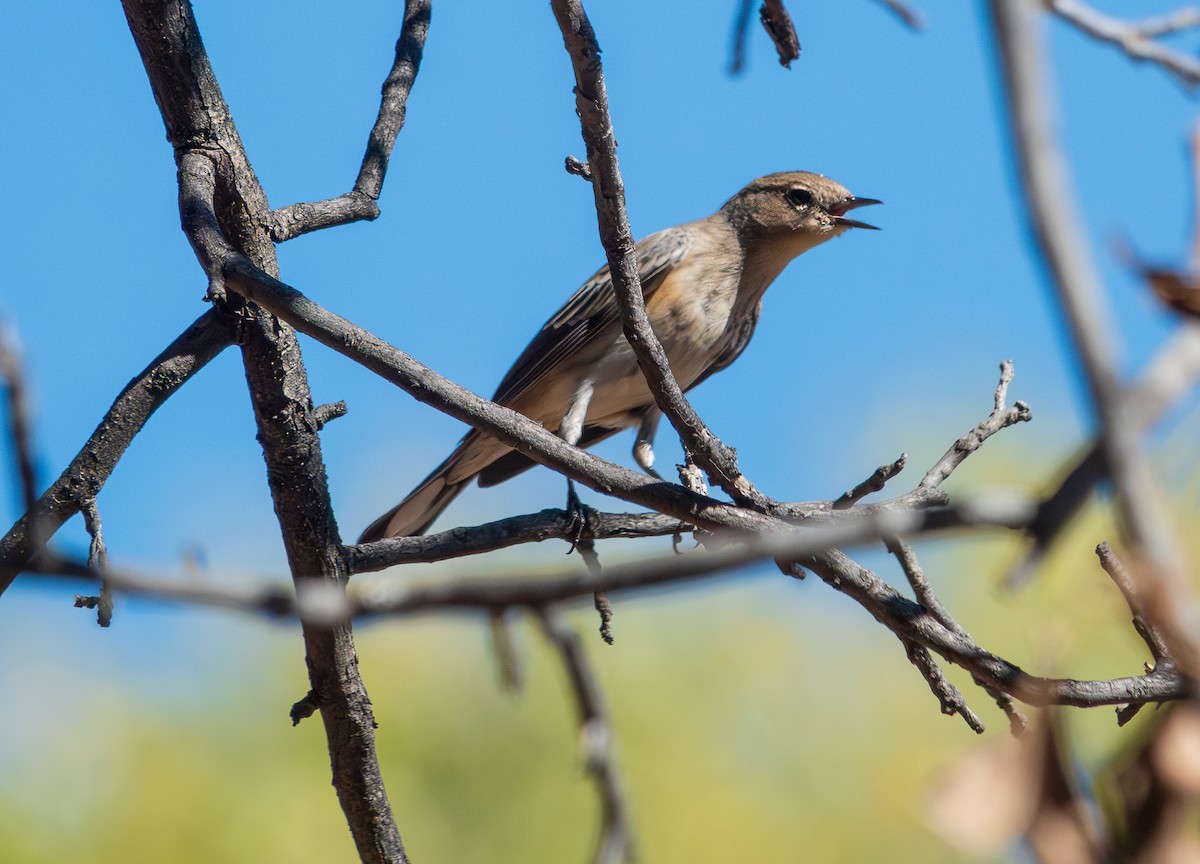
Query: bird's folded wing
(591, 312)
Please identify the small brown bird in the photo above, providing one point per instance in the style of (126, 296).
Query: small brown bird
(703, 284)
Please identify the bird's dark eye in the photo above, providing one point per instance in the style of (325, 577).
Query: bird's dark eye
(799, 197)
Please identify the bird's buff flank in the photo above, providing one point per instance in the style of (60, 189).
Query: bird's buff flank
(703, 284)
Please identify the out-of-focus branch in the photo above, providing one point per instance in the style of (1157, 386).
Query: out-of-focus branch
(1135, 38)
(359, 203)
(1173, 372)
(12, 371)
(82, 480)
(615, 842)
(591, 100)
(905, 13)
(1057, 229)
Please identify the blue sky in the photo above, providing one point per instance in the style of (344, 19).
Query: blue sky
(876, 343)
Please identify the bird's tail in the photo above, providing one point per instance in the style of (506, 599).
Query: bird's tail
(414, 515)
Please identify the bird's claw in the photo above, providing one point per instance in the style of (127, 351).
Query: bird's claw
(579, 521)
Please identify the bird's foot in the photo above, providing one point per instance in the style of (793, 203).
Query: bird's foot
(579, 520)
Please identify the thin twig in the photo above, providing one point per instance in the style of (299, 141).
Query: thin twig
(83, 479)
(908, 619)
(872, 484)
(951, 698)
(1187, 18)
(504, 647)
(927, 597)
(578, 168)
(359, 203)
(324, 414)
(1001, 418)
(1125, 584)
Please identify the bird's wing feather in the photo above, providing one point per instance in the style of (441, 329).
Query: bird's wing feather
(591, 312)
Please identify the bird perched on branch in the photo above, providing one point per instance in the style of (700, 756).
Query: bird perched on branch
(703, 284)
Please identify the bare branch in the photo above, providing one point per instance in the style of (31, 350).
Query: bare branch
(1001, 418)
(1134, 38)
(586, 548)
(83, 479)
(951, 699)
(511, 427)
(1124, 581)
(591, 101)
(359, 203)
(615, 842)
(872, 484)
(1058, 233)
(909, 620)
(501, 534)
(1187, 18)
(926, 596)
(508, 659)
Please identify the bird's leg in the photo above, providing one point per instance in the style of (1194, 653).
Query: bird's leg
(643, 447)
(571, 431)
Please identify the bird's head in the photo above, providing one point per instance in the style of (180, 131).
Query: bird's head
(796, 205)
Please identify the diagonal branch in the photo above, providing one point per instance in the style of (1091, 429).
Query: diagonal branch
(83, 479)
(504, 424)
(591, 100)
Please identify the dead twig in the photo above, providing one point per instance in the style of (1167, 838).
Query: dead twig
(359, 203)
(872, 484)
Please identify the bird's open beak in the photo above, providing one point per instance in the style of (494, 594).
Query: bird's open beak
(839, 210)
